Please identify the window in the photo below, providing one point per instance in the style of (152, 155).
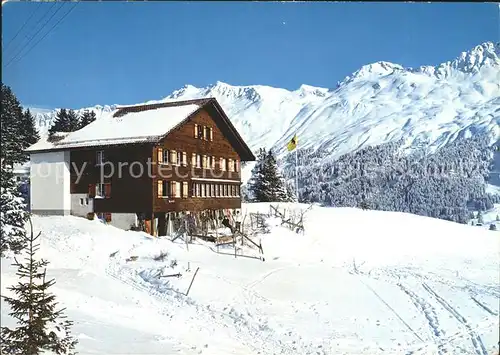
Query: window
(195, 130)
(101, 190)
(193, 159)
(213, 163)
(81, 202)
(184, 189)
(222, 164)
(184, 158)
(212, 187)
(198, 160)
(173, 157)
(163, 188)
(209, 192)
(237, 165)
(163, 156)
(203, 190)
(86, 201)
(208, 134)
(177, 189)
(168, 189)
(230, 163)
(99, 157)
(204, 161)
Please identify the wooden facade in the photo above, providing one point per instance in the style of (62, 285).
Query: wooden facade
(194, 167)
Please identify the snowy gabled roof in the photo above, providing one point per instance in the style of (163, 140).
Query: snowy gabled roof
(145, 123)
(127, 124)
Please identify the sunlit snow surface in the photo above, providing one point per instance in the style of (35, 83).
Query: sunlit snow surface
(356, 282)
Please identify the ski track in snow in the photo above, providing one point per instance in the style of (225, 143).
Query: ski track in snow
(476, 339)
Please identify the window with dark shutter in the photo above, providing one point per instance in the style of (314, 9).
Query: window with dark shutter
(107, 216)
(91, 190)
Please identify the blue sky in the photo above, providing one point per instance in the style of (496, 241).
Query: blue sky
(126, 52)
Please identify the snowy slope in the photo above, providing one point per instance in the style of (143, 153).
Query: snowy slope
(376, 283)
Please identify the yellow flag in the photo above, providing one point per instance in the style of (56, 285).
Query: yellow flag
(292, 144)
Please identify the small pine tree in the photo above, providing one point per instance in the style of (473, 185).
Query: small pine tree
(13, 215)
(86, 118)
(493, 227)
(498, 218)
(40, 326)
(480, 218)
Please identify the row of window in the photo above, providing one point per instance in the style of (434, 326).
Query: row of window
(173, 189)
(203, 132)
(173, 157)
(177, 189)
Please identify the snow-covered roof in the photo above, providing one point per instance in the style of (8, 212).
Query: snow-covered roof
(127, 124)
(149, 122)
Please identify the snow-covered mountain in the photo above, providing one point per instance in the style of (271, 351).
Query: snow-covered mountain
(381, 102)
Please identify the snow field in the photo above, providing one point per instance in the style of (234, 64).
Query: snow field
(356, 282)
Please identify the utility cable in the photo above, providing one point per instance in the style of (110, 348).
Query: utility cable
(39, 30)
(22, 27)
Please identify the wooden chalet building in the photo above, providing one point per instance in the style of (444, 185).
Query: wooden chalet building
(143, 165)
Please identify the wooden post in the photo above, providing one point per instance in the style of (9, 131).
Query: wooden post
(234, 242)
(189, 288)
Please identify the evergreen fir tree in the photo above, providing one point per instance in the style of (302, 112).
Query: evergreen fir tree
(86, 118)
(267, 184)
(11, 133)
(61, 123)
(73, 121)
(30, 133)
(276, 187)
(480, 218)
(13, 215)
(256, 183)
(40, 326)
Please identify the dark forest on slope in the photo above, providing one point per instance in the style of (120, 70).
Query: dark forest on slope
(447, 184)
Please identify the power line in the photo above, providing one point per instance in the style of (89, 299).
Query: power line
(50, 30)
(33, 36)
(36, 24)
(22, 27)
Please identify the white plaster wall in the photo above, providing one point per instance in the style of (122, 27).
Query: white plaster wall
(123, 220)
(81, 210)
(50, 183)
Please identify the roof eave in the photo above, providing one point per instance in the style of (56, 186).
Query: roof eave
(248, 156)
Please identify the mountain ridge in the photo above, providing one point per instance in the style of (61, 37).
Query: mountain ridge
(380, 102)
